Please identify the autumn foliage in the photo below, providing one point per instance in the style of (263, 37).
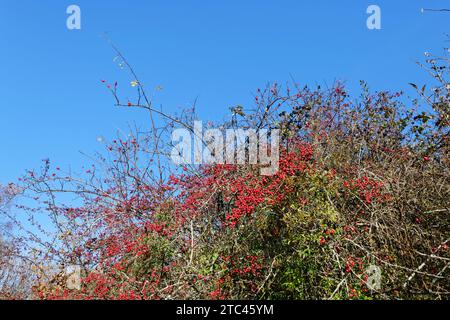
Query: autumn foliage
(362, 182)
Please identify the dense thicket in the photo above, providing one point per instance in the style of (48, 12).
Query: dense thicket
(363, 185)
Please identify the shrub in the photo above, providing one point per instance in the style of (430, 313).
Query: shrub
(362, 183)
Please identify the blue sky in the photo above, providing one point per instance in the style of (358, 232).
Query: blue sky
(53, 105)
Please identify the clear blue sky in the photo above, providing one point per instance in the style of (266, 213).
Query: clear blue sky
(52, 104)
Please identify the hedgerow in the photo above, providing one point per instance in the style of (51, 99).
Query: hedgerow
(363, 184)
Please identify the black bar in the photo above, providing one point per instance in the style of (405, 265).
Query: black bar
(225, 309)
